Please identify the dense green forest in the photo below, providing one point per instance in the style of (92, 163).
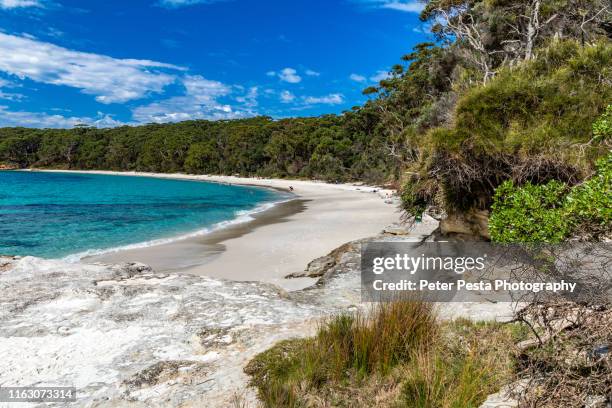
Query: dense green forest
(322, 147)
(506, 91)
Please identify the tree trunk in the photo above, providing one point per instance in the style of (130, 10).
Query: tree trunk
(532, 29)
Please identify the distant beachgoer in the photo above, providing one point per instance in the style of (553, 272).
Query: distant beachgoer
(290, 188)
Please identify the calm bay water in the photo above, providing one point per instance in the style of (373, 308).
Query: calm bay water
(54, 215)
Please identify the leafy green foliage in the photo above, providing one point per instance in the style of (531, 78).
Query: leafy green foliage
(202, 158)
(541, 106)
(532, 213)
(589, 205)
(552, 212)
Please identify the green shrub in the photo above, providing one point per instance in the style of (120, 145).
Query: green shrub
(552, 212)
(589, 205)
(542, 106)
(532, 121)
(202, 158)
(532, 213)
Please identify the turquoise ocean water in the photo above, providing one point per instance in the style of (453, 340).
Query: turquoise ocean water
(55, 215)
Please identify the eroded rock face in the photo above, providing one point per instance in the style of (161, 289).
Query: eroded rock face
(474, 223)
(127, 335)
(320, 266)
(398, 229)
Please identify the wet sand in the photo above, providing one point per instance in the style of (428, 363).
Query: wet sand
(195, 252)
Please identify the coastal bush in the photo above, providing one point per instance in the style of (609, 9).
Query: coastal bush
(589, 205)
(202, 158)
(541, 106)
(552, 212)
(399, 355)
(325, 147)
(531, 123)
(531, 213)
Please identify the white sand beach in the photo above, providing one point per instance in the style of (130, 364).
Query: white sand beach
(277, 242)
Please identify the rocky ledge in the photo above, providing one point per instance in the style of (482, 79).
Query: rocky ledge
(125, 334)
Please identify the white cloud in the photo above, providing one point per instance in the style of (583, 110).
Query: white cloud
(180, 108)
(287, 75)
(379, 76)
(357, 78)
(204, 90)
(11, 4)
(250, 99)
(409, 6)
(9, 95)
(44, 120)
(109, 79)
(331, 99)
(106, 121)
(184, 3)
(310, 72)
(287, 97)
(201, 101)
(290, 75)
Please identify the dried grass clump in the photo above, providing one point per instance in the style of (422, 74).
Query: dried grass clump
(568, 362)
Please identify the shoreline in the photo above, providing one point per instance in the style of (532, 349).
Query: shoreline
(275, 242)
(242, 219)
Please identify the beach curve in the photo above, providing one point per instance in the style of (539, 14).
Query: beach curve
(276, 242)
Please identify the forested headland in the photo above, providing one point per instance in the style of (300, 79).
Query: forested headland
(508, 92)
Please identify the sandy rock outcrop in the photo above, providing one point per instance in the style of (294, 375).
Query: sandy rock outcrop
(474, 223)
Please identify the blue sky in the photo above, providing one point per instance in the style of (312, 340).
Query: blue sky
(107, 63)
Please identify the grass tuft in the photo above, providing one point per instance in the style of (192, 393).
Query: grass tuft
(399, 355)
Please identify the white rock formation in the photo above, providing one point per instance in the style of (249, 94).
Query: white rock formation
(125, 335)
